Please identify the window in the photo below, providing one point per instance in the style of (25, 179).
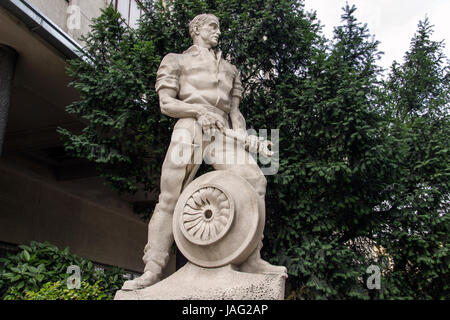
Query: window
(130, 11)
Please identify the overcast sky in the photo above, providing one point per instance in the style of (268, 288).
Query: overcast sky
(393, 22)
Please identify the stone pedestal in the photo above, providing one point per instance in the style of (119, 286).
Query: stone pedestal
(196, 283)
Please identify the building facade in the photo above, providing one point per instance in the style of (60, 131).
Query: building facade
(45, 195)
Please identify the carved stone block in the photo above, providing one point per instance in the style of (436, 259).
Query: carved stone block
(196, 283)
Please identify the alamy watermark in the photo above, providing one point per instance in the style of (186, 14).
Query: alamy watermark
(374, 280)
(73, 17)
(74, 281)
(227, 147)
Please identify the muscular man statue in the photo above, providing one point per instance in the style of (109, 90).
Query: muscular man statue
(203, 91)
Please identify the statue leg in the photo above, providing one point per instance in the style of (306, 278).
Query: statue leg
(253, 174)
(254, 263)
(174, 176)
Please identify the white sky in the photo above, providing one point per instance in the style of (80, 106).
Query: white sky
(393, 22)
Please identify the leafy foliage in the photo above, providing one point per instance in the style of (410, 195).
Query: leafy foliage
(118, 104)
(363, 173)
(335, 166)
(40, 263)
(417, 235)
(57, 291)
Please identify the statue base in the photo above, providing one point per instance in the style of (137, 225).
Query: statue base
(196, 283)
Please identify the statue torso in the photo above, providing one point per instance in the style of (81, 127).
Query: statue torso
(202, 77)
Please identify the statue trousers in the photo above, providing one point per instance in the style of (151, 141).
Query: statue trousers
(187, 149)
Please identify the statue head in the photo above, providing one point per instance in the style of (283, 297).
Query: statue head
(205, 30)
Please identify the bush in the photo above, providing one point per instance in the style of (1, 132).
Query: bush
(58, 291)
(41, 263)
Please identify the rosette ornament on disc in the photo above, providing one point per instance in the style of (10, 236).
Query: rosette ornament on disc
(217, 220)
(207, 215)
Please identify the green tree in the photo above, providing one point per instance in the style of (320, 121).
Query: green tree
(418, 101)
(125, 134)
(336, 167)
(345, 155)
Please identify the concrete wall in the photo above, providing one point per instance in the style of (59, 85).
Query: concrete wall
(89, 10)
(80, 213)
(63, 13)
(53, 9)
(33, 207)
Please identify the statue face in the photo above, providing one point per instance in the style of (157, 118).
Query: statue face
(209, 33)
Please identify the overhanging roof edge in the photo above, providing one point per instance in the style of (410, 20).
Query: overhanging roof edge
(44, 27)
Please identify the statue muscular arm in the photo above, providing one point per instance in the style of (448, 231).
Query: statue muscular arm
(236, 117)
(239, 126)
(172, 107)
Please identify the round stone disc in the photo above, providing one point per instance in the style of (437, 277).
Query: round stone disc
(216, 220)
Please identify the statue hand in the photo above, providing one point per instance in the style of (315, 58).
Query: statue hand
(252, 143)
(264, 148)
(210, 123)
(258, 144)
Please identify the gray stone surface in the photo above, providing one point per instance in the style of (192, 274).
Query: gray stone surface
(195, 283)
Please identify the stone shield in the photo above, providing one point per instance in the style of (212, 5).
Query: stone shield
(217, 221)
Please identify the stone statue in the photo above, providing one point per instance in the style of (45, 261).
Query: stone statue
(201, 89)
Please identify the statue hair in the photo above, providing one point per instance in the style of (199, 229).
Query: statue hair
(199, 21)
